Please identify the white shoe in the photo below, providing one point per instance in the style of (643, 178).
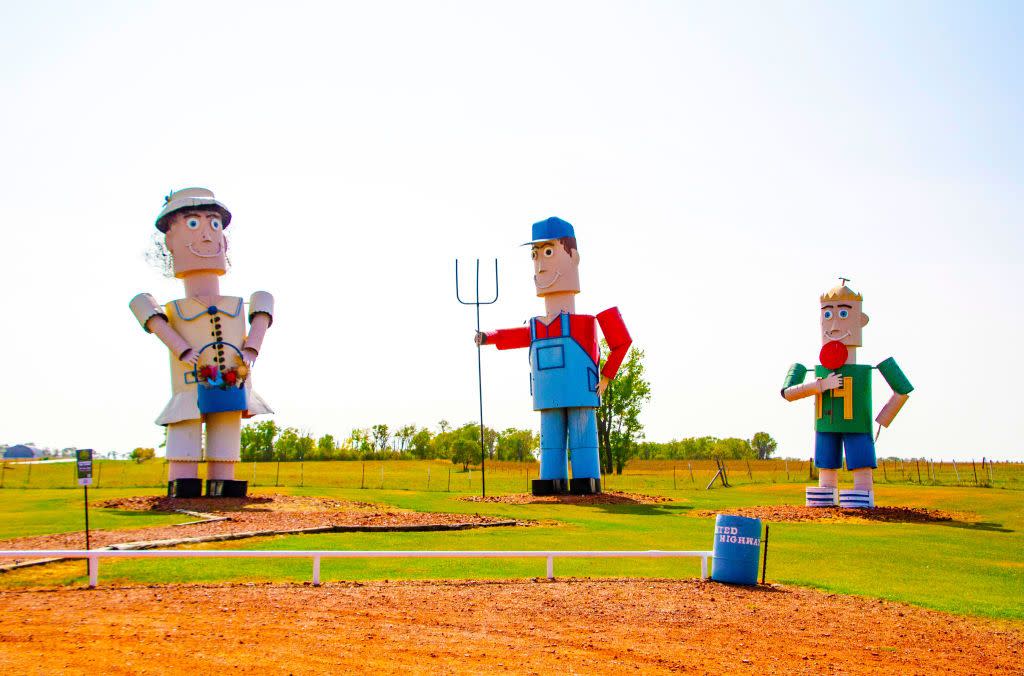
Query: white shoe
(856, 499)
(819, 496)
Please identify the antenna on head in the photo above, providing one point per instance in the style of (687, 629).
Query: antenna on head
(843, 281)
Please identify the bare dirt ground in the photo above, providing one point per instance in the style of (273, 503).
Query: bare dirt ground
(576, 626)
(607, 498)
(801, 513)
(272, 512)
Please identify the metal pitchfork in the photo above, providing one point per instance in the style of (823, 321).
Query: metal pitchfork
(479, 369)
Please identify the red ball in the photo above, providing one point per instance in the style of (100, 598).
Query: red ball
(833, 355)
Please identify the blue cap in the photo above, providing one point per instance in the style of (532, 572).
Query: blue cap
(551, 228)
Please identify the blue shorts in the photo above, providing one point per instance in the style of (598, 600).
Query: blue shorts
(828, 450)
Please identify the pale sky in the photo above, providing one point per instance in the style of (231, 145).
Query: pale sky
(723, 164)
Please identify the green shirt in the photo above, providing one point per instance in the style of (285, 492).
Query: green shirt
(848, 408)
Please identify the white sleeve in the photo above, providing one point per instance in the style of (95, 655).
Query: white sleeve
(145, 307)
(261, 301)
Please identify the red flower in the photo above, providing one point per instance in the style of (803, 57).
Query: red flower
(230, 377)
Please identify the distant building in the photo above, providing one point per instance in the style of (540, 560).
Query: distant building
(22, 452)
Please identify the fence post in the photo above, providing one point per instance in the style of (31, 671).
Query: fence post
(957, 472)
(277, 479)
(316, 571)
(690, 465)
(449, 479)
(750, 474)
(28, 479)
(673, 477)
(810, 468)
(3, 470)
(94, 571)
(786, 462)
(428, 477)
(362, 481)
(382, 476)
(975, 468)
(918, 463)
(551, 567)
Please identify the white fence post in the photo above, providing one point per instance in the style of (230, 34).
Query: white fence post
(316, 571)
(94, 571)
(551, 567)
(704, 567)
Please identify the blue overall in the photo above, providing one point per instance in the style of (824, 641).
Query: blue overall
(563, 381)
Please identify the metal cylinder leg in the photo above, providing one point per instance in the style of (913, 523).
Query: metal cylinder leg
(184, 449)
(223, 444)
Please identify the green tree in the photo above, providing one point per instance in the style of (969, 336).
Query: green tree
(381, 435)
(286, 447)
(516, 444)
(465, 451)
(304, 447)
(258, 441)
(141, 455)
(618, 417)
(326, 448)
(763, 445)
(403, 437)
(420, 444)
(732, 448)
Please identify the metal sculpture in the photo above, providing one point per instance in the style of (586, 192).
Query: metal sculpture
(211, 354)
(842, 393)
(565, 381)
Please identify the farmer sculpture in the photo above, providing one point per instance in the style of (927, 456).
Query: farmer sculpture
(564, 357)
(211, 354)
(842, 393)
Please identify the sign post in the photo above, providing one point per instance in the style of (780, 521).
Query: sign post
(83, 457)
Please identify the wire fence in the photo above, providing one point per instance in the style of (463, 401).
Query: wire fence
(644, 476)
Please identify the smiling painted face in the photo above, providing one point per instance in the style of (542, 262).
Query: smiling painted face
(556, 267)
(842, 320)
(196, 241)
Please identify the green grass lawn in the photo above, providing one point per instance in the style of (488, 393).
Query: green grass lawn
(972, 568)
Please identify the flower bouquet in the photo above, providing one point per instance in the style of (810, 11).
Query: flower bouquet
(222, 388)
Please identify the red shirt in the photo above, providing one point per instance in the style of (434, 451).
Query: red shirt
(582, 329)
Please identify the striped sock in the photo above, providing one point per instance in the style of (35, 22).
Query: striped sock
(820, 496)
(856, 499)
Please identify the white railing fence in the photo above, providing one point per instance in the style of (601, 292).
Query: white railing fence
(94, 556)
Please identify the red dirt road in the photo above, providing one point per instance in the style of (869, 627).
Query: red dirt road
(576, 626)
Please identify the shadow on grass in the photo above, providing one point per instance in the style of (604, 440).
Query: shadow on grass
(989, 526)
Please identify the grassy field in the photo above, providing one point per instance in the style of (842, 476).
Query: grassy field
(504, 477)
(973, 566)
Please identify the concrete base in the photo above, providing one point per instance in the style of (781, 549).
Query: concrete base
(185, 488)
(226, 488)
(550, 486)
(585, 486)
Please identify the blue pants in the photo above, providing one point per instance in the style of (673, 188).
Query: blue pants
(828, 450)
(575, 428)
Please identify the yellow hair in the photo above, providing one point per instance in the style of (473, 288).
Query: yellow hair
(841, 293)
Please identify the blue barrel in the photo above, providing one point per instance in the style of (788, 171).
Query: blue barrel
(736, 550)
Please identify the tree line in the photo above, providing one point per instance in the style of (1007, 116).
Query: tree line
(265, 441)
(760, 447)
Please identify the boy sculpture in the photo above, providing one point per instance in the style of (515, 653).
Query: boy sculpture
(842, 393)
(211, 354)
(564, 357)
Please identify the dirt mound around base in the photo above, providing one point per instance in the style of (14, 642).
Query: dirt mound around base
(275, 502)
(608, 498)
(801, 513)
(254, 516)
(630, 626)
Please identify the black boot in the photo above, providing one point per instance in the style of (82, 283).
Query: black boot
(550, 487)
(185, 488)
(226, 488)
(585, 486)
